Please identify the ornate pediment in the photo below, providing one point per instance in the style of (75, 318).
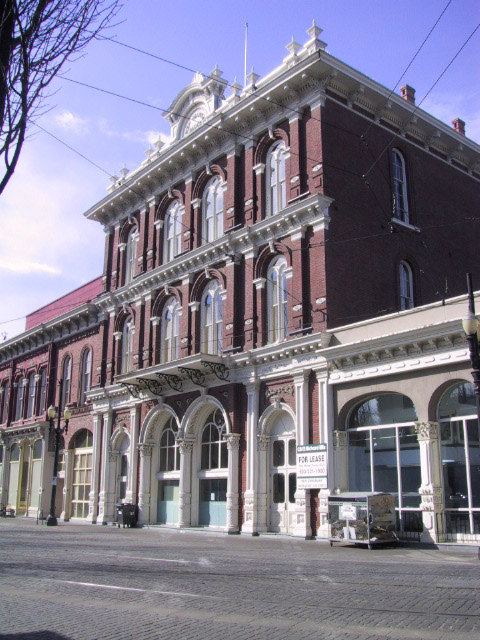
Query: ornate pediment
(196, 103)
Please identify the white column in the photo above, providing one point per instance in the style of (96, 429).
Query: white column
(97, 454)
(185, 486)
(106, 506)
(131, 495)
(431, 491)
(233, 445)
(67, 485)
(145, 490)
(302, 496)
(28, 450)
(325, 433)
(5, 468)
(250, 520)
(42, 497)
(263, 443)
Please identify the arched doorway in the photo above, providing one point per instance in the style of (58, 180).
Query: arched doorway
(82, 449)
(384, 453)
(282, 457)
(460, 454)
(168, 476)
(213, 472)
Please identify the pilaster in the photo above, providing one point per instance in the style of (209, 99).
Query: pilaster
(106, 499)
(185, 485)
(131, 495)
(144, 491)
(302, 496)
(97, 454)
(325, 435)
(233, 446)
(250, 519)
(431, 491)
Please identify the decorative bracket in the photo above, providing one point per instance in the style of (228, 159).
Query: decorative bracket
(151, 385)
(173, 381)
(196, 376)
(133, 389)
(218, 369)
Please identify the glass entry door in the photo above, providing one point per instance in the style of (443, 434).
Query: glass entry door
(283, 484)
(213, 502)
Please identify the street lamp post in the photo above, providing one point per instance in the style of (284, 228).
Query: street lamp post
(58, 431)
(471, 326)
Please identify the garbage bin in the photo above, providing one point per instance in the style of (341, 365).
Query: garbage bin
(126, 514)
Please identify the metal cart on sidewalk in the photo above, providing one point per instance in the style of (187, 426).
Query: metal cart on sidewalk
(362, 518)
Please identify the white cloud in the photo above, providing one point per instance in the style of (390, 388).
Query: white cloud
(70, 122)
(17, 265)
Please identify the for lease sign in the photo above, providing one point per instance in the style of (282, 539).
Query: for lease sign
(312, 466)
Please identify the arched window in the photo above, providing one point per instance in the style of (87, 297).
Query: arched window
(131, 255)
(460, 454)
(43, 391)
(400, 198)
(173, 231)
(31, 395)
(212, 319)
(384, 453)
(127, 346)
(6, 393)
(85, 375)
(19, 400)
(277, 300)
(214, 453)
(170, 323)
(169, 450)
(406, 286)
(67, 381)
(276, 183)
(213, 210)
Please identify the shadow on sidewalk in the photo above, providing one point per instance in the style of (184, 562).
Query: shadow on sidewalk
(34, 635)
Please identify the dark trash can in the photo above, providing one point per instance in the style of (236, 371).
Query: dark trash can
(126, 514)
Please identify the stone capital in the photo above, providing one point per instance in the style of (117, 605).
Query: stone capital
(426, 431)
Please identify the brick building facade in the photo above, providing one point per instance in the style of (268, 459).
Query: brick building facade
(276, 275)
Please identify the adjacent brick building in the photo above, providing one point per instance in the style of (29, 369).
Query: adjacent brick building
(287, 270)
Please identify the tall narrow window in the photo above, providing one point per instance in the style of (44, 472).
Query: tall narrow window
(276, 184)
(6, 393)
(213, 210)
(31, 395)
(131, 256)
(406, 286)
(400, 199)
(214, 454)
(43, 391)
(212, 319)
(127, 346)
(173, 231)
(67, 381)
(86, 375)
(277, 300)
(19, 400)
(169, 450)
(171, 318)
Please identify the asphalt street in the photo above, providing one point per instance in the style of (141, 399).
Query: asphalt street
(84, 582)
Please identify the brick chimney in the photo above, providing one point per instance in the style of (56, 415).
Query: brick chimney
(459, 126)
(408, 93)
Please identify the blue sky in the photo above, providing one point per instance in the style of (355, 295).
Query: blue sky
(49, 248)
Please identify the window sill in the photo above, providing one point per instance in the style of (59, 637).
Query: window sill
(405, 225)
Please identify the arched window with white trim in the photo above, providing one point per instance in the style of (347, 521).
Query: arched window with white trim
(400, 196)
(276, 178)
(173, 231)
(170, 327)
(31, 395)
(67, 381)
(277, 300)
(406, 286)
(19, 400)
(213, 209)
(169, 449)
(86, 375)
(6, 393)
(43, 391)
(214, 454)
(212, 319)
(131, 255)
(127, 345)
